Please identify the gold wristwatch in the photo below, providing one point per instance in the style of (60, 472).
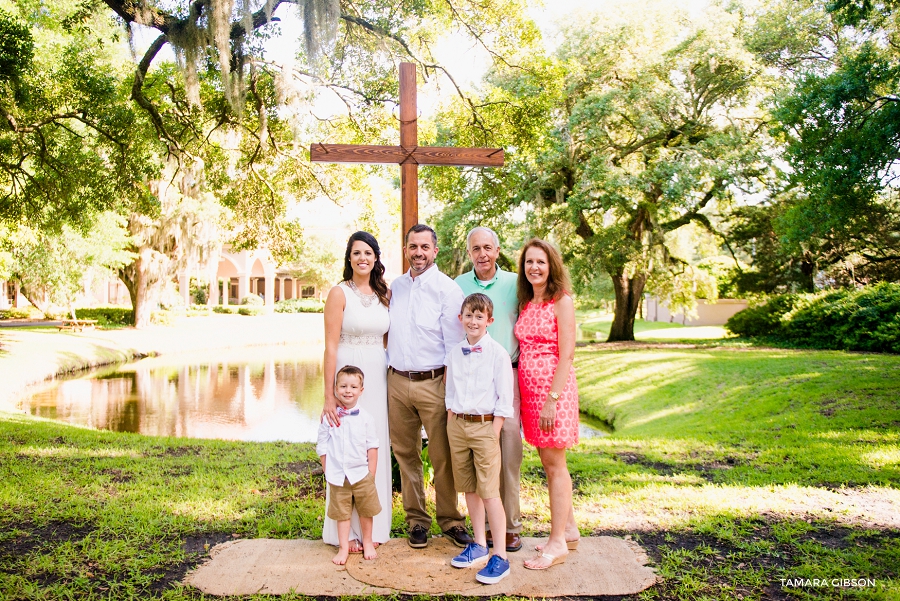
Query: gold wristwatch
(553, 395)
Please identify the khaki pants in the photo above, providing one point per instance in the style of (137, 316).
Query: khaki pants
(476, 457)
(511, 462)
(412, 405)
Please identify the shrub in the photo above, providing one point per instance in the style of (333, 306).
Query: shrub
(300, 305)
(762, 320)
(251, 310)
(107, 316)
(14, 313)
(162, 318)
(252, 300)
(859, 320)
(226, 309)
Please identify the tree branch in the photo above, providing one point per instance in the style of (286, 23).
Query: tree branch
(137, 93)
(694, 214)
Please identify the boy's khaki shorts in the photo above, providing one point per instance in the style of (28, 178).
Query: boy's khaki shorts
(363, 494)
(475, 455)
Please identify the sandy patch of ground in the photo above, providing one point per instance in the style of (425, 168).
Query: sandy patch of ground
(870, 507)
(602, 565)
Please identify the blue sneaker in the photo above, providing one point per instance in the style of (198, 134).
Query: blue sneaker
(496, 570)
(472, 556)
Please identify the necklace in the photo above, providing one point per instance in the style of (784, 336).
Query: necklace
(365, 299)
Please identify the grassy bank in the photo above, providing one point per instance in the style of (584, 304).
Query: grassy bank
(740, 468)
(735, 469)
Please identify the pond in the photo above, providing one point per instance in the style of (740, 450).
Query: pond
(252, 394)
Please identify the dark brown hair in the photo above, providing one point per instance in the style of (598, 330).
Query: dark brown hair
(478, 301)
(350, 370)
(418, 229)
(376, 276)
(557, 274)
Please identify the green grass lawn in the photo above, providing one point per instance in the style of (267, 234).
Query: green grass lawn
(734, 468)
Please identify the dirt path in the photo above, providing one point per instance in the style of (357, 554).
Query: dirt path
(30, 356)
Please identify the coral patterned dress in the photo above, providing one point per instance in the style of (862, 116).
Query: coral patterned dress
(537, 332)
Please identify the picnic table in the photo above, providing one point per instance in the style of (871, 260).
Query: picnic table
(77, 325)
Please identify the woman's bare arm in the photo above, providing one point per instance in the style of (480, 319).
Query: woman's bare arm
(334, 319)
(564, 310)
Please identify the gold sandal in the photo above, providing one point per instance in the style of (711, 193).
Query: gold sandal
(554, 559)
(571, 545)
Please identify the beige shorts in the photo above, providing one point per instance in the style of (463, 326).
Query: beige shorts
(341, 499)
(475, 455)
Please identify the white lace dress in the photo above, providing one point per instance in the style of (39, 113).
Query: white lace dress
(363, 328)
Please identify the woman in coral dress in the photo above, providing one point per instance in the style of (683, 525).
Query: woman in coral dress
(546, 334)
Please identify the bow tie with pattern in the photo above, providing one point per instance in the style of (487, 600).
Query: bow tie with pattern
(474, 349)
(343, 412)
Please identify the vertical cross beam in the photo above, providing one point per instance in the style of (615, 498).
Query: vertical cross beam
(409, 140)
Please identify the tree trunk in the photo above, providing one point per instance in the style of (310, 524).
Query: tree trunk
(629, 291)
(39, 299)
(808, 269)
(144, 286)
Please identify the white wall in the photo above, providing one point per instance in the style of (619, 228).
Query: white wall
(708, 314)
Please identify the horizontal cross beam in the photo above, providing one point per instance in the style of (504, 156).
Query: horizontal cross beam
(418, 155)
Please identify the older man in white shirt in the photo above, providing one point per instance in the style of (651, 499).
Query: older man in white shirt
(425, 327)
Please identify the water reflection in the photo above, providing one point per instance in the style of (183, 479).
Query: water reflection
(255, 394)
(589, 427)
(260, 399)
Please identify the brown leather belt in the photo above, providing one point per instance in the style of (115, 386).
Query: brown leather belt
(469, 417)
(418, 376)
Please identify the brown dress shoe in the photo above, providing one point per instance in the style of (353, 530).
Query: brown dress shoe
(513, 542)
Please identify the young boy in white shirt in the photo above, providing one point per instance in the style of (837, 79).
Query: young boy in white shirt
(479, 396)
(349, 456)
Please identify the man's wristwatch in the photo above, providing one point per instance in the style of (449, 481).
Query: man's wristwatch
(553, 395)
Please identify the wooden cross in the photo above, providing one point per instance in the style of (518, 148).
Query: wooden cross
(409, 155)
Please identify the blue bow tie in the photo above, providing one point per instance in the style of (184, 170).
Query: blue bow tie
(343, 412)
(474, 349)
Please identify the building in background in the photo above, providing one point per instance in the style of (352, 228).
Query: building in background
(708, 313)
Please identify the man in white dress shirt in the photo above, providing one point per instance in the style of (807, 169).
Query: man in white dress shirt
(425, 304)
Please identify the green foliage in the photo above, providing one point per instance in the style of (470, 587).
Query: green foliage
(639, 125)
(162, 318)
(300, 305)
(16, 48)
(838, 115)
(251, 310)
(15, 313)
(764, 319)
(71, 143)
(860, 320)
(55, 266)
(106, 316)
(199, 291)
(225, 309)
(316, 264)
(724, 270)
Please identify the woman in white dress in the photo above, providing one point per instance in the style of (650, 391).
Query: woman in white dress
(356, 325)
